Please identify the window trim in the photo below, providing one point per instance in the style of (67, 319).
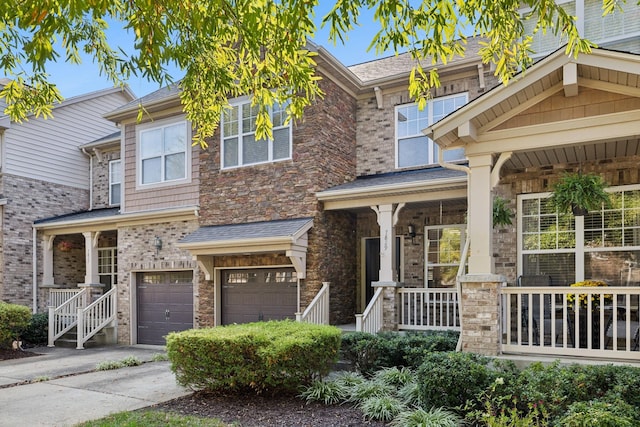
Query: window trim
(425, 249)
(579, 250)
(112, 182)
(432, 145)
(159, 124)
(241, 102)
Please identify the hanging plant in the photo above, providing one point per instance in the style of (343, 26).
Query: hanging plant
(65, 246)
(579, 193)
(502, 215)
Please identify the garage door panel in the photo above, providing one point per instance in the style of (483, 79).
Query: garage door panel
(164, 304)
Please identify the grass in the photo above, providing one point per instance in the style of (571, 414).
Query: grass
(152, 419)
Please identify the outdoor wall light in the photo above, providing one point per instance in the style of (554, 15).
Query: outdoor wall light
(157, 243)
(412, 231)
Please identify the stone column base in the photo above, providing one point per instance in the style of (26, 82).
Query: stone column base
(480, 313)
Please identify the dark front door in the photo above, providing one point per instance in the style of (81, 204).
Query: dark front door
(372, 264)
(254, 295)
(164, 304)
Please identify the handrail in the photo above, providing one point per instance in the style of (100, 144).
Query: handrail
(463, 262)
(96, 316)
(371, 320)
(318, 310)
(64, 317)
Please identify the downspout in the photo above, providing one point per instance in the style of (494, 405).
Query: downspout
(90, 178)
(467, 170)
(34, 264)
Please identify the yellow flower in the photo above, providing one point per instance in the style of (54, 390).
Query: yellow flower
(583, 298)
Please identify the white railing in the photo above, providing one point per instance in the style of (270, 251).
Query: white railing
(461, 272)
(318, 311)
(95, 316)
(428, 309)
(65, 316)
(371, 320)
(597, 321)
(58, 296)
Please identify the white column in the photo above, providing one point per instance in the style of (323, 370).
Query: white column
(47, 261)
(480, 215)
(387, 219)
(91, 258)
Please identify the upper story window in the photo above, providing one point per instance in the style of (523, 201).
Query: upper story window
(413, 148)
(163, 149)
(115, 181)
(239, 145)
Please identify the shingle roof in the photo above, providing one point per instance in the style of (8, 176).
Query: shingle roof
(252, 230)
(398, 178)
(79, 216)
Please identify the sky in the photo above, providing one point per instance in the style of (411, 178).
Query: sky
(73, 79)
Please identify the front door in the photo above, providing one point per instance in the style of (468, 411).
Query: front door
(372, 264)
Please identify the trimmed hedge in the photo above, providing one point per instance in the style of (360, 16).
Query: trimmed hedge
(275, 355)
(13, 319)
(37, 330)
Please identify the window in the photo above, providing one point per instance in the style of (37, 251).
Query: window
(239, 145)
(108, 267)
(413, 148)
(443, 247)
(163, 153)
(115, 181)
(602, 245)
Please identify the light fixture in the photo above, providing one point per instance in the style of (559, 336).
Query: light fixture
(412, 231)
(157, 243)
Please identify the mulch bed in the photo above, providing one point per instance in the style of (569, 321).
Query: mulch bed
(250, 410)
(7, 354)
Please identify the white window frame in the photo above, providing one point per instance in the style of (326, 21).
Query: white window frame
(112, 164)
(463, 239)
(580, 248)
(161, 124)
(242, 103)
(112, 255)
(432, 150)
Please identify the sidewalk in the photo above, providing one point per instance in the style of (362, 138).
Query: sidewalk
(62, 388)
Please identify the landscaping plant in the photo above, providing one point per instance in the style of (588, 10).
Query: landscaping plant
(36, 332)
(13, 320)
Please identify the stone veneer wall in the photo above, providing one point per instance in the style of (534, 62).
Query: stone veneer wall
(323, 156)
(101, 177)
(376, 127)
(29, 200)
(622, 171)
(136, 253)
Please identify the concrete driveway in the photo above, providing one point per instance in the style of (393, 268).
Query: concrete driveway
(62, 388)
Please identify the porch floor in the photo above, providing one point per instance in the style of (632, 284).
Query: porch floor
(522, 361)
(348, 327)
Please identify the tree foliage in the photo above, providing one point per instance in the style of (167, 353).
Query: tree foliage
(229, 48)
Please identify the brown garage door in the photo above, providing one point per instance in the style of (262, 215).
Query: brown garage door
(255, 295)
(164, 303)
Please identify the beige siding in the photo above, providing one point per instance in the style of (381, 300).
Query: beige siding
(589, 103)
(47, 150)
(158, 197)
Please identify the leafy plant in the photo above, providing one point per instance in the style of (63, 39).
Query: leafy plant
(583, 299)
(435, 417)
(108, 365)
(394, 376)
(131, 361)
(367, 389)
(327, 392)
(13, 320)
(159, 357)
(37, 330)
(579, 193)
(383, 408)
(502, 215)
(597, 413)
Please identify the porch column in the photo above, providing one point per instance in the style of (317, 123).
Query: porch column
(387, 219)
(91, 257)
(47, 261)
(480, 313)
(480, 211)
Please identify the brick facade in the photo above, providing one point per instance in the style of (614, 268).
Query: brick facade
(323, 156)
(480, 314)
(27, 201)
(100, 177)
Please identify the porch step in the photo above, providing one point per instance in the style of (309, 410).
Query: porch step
(70, 339)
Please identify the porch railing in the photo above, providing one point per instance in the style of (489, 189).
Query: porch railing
(428, 309)
(64, 317)
(96, 316)
(318, 310)
(603, 322)
(58, 296)
(371, 320)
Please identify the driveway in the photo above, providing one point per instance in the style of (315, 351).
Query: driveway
(62, 388)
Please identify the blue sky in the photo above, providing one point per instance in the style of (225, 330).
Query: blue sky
(78, 79)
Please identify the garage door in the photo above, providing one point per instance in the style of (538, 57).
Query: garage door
(255, 295)
(164, 303)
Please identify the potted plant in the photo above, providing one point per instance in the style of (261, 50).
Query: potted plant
(501, 213)
(579, 193)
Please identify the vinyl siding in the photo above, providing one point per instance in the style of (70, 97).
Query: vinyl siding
(160, 196)
(47, 150)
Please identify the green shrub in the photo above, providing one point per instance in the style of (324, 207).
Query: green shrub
(327, 392)
(13, 320)
(382, 408)
(368, 353)
(436, 417)
(451, 379)
(275, 355)
(36, 332)
(597, 413)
